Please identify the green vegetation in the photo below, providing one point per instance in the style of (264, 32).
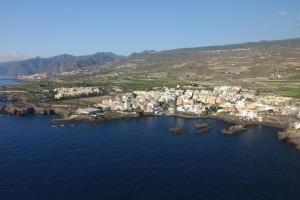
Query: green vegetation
(289, 87)
(147, 84)
(289, 90)
(295, 77)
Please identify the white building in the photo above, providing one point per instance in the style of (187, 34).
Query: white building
(87, 111)
(297, 125)
(248, 114)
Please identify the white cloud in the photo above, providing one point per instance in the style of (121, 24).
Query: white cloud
(283, 13)
(12, 56)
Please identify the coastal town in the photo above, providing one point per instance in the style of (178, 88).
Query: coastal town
(230, 103)
(224, 102)
(245, 104)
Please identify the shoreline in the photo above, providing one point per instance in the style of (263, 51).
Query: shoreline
(66, 116)
(285, 134)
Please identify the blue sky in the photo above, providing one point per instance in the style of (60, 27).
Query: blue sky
(46, 28)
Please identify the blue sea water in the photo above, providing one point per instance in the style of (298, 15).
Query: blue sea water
(4, 81)
(141, 159)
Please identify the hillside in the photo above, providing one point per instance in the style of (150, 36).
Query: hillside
(253, 59)
(60, 63)
(236, 63)
(269, 67)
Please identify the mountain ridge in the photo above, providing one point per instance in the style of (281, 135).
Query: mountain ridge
(241, 58)
(56, 64)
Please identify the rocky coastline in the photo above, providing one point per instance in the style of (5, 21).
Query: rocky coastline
(65, 115)
(286, 133)
(24, 111)
(290, 136)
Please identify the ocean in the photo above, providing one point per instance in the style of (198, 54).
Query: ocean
(141, 159)
(4, 81)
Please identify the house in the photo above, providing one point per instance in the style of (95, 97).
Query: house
(88, 111)
(211, 100)
(180, 109)
(128, 102)
(75, 92)
(220, 100)
(248, 114)
(188, 93)
(202, 99)
(297, 125)
(240, 104)
(275, 100)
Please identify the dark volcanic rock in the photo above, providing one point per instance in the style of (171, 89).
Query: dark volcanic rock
(12, 110)
(291, 137)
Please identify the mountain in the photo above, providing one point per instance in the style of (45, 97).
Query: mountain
(252, 59)
(246, 60)
(60, 63)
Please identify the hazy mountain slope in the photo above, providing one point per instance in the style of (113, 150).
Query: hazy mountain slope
(254, 59)
(249, 59)
(56, 64)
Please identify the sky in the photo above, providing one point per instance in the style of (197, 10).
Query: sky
(46, 28)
